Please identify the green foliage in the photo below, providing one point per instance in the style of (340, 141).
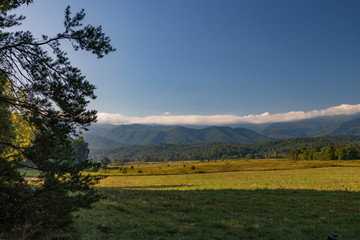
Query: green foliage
(81, 150)
(348, 152)
(6, 130)
(6, 5)
(217, 151)
(41, 92)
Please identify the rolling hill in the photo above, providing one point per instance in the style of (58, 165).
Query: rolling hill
(322, 126)
(105, 136)
(136, 134)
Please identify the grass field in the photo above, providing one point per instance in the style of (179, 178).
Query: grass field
(191, 167)
(297, 203)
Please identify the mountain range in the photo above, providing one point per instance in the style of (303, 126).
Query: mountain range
(104, 136)
(136, 134)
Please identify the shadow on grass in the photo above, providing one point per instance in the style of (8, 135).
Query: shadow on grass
(151, 187)
(221, 214)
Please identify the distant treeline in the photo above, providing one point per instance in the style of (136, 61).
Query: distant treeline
(296, 148)
(331, 152)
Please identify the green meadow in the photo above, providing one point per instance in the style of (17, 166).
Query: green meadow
(295, 202)
(191, 167)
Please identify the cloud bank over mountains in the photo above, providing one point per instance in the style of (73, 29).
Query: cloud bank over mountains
(266, 117)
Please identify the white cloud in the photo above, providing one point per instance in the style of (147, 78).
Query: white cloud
(165, 119)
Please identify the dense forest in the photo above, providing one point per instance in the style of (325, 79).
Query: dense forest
(294, 148)
(330, 152)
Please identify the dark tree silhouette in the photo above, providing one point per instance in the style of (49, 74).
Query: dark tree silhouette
(40, 88)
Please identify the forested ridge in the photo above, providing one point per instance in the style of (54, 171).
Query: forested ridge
(136, 134)
(101, 136)
(216, 151)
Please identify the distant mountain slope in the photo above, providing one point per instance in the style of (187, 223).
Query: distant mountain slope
(145, 135)
(98, 142)
(227, 134)
(351, 127)
(323, 126)
(108, 136)
(99, 129)
(284, 130)
(135, 134)
(182, 135)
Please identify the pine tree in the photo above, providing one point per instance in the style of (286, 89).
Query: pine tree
(46, 94)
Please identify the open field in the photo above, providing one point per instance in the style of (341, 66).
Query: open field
(191, 167)
(328, 179)
(274, 204)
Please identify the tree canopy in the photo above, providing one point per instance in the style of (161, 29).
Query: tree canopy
(311, 148)
(6, 5)
(43, 101)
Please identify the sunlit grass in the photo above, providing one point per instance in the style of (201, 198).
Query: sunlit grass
(329, 179)
(191, 167)
(273, 204)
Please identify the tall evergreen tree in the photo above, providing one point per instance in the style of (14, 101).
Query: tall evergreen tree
(50, 97)
(81, 149)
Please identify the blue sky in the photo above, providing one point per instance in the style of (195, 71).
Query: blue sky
(207, 57)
